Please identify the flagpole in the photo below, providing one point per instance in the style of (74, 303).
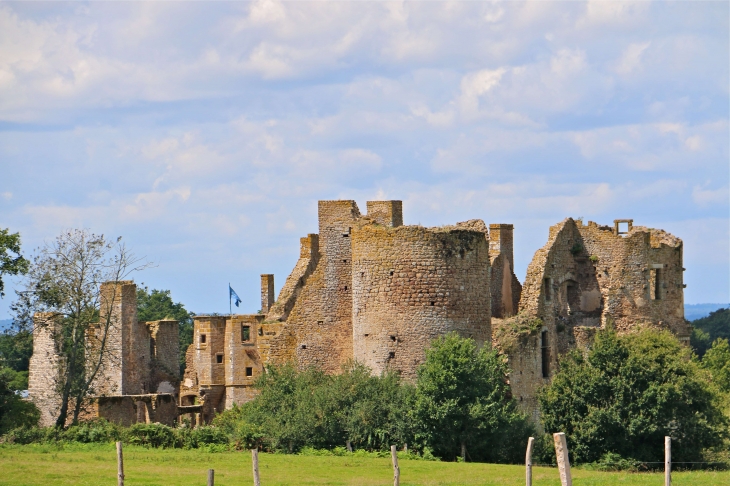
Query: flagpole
(230, 309)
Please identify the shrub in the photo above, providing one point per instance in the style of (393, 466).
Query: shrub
(627, 394)
(151, 435)
(94, 431)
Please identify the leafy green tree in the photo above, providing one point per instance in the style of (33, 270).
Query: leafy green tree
(708, 329)
(11, 261)
(629, 392)
(462, 403)
(156, 305)
(16, 348)
(717, 362)
(63, 281)
(14, 411)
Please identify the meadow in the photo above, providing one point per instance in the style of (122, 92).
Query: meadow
(95, 464)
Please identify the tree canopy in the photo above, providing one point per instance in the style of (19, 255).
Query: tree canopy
(627, 394)
(463, 405)
(708, 329)
(11, 261)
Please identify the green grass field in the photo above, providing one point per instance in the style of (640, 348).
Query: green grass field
(96, 465)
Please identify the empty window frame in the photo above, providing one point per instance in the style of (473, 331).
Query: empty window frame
(545, 350)
(202, 338)
(219, 358)
(249, 371)
(656, 283)
(548, 289)
(245, 333)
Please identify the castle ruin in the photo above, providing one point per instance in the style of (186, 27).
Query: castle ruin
(371, 289)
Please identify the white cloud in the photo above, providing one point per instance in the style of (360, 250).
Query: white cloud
(705, 197)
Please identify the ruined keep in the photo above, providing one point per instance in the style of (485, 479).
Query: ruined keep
(586, 278)
(138, 378)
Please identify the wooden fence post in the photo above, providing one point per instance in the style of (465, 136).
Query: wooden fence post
(120, 465)
(667, 461)
(396, 469)
(211, 477)
(561, 453)
(255, 459)
(528, 462)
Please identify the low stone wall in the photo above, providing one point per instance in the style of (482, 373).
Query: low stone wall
(132, 409)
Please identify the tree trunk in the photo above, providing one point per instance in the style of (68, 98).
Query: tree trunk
(463, 451)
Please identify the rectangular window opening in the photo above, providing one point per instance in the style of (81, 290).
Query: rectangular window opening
(249, 371)
(202, 339)
(391, 355)
(545, 354)
(219, 358)
(656, 283)
(245, 333)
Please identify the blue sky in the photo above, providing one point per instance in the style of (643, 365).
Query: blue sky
(205, 132)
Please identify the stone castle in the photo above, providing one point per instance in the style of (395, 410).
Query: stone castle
(368, 288)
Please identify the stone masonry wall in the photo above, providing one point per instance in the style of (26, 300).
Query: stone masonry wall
(588, 277)
(413, 284)
(505, 288)
(164, 348)
(243, 363)
(43, 374)
(318, 330)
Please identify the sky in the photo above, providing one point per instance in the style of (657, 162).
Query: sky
(204, 133)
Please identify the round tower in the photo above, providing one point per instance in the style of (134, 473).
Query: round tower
(411, 285)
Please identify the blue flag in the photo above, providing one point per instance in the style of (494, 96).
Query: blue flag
(233, 295)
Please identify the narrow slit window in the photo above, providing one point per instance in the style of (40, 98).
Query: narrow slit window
(548, 290)
(656, 283)
(545, 350)
(245, 333)
(249, 371)
(202, 339)
(219, 358)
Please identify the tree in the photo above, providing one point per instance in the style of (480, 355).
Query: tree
(717, 361)
(462, 400)
(63, 281)
(708, 329)
(14, 411)
(629, 392)
(156, 305)
(10, 264)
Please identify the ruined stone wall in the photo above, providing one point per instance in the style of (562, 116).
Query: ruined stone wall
(318, 329)
(308, 258)
(209, 349)
(505, 288)
(243, 363)
(386, 213)
(125, 365)
(589, 277)
(44, 369)
(413, 284)
(267, 292)
(164, 349)
(127, 410)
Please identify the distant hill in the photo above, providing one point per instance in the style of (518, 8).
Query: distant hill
(698, 311)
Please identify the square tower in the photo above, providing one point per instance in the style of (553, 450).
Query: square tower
(387, 213)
